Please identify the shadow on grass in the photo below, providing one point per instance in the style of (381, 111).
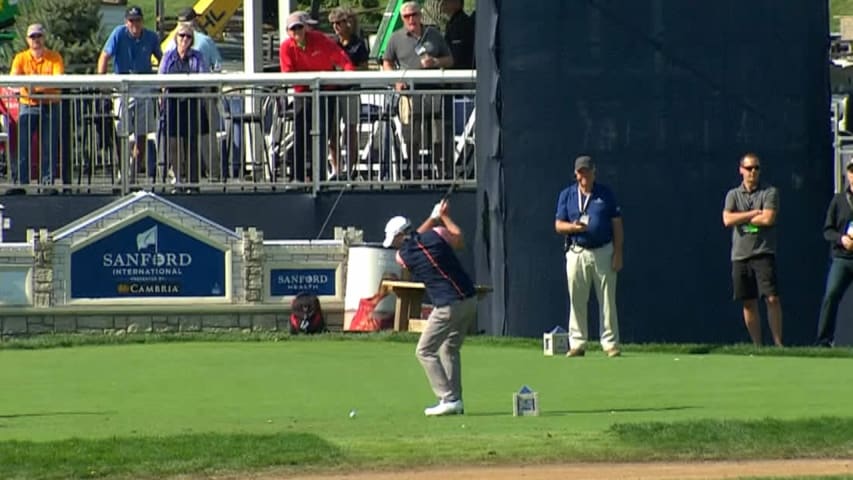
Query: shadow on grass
(53, 414)
(164, 456)
(739, 439)
(606, 411)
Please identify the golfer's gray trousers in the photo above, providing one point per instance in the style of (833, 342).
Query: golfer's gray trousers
(440, 344)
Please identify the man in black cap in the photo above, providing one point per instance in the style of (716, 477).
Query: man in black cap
(838, 231)
(591, 219)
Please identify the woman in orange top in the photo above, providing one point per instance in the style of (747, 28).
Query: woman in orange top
(40, 109)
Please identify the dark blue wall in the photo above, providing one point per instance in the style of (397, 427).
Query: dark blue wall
(666, 95)
(281, 216)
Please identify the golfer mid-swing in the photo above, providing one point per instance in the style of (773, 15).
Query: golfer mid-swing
(428, 254)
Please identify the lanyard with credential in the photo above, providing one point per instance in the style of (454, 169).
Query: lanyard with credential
(571, 240)
(583, 205)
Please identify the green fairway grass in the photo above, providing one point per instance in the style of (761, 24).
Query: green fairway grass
(167, 408)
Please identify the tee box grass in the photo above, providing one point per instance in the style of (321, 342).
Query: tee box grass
(241, 406)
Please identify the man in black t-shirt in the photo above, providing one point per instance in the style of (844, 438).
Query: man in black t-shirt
(459, 34)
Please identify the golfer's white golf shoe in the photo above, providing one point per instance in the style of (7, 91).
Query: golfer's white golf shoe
(445, 408)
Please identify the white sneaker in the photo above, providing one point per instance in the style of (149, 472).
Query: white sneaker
(445, 408)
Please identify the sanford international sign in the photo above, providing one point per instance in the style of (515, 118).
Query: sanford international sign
(147, 258)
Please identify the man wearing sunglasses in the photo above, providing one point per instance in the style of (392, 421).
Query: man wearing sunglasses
(416, 47)
(40, 107)
(307, 50)
(750, 210)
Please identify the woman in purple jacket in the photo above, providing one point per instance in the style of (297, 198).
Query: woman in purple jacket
(183, 118)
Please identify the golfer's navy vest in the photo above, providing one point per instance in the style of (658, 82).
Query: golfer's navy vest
(433, 262)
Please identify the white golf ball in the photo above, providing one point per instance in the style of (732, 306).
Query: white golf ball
(352, 414)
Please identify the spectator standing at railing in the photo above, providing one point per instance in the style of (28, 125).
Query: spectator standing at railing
(202, 42)
(307, 50)
(40, 108)
(212, 56)
(184, 118)
(459, 34)
(344, 21)
(130, 47)
(417, 47)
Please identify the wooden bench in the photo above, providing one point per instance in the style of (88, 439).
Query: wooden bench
(410, 295)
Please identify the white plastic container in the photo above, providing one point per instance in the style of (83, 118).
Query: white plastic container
(367, 265)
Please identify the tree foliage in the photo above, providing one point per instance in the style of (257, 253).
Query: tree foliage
(73, 29)
(370, 11)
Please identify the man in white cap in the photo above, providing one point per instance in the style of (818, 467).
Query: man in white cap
(428, 254)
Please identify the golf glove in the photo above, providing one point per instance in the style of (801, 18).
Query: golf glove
(436, 211)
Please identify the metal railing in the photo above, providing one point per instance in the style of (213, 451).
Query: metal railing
(237, 132)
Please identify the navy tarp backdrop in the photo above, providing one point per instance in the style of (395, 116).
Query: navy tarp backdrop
(666, 95)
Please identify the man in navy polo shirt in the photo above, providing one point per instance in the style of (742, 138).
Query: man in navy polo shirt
(428, 254)
(130, 47)
(590, 218)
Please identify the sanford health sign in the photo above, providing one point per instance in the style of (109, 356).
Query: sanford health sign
(147, 258)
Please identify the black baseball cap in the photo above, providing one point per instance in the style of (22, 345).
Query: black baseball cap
(133, 13)
(187, 15)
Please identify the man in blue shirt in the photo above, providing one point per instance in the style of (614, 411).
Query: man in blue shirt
(130, 47)
(591, 219)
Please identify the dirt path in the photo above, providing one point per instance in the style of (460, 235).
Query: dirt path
(587, 471)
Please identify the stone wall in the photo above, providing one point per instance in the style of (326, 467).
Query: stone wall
(134, 207)
(16, 274)
(253, 265)
(251, 308)
(43, 273)
(120, 322)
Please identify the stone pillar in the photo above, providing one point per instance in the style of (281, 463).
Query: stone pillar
(350, 235)
(253, 265)
(42, 268)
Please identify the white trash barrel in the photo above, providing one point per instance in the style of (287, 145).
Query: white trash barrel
(367, 264)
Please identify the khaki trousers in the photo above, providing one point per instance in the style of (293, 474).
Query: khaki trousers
(585, 269)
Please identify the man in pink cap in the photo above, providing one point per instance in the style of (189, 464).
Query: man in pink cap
(307, 50)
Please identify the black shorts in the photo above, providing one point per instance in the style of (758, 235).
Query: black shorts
(753, 276)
